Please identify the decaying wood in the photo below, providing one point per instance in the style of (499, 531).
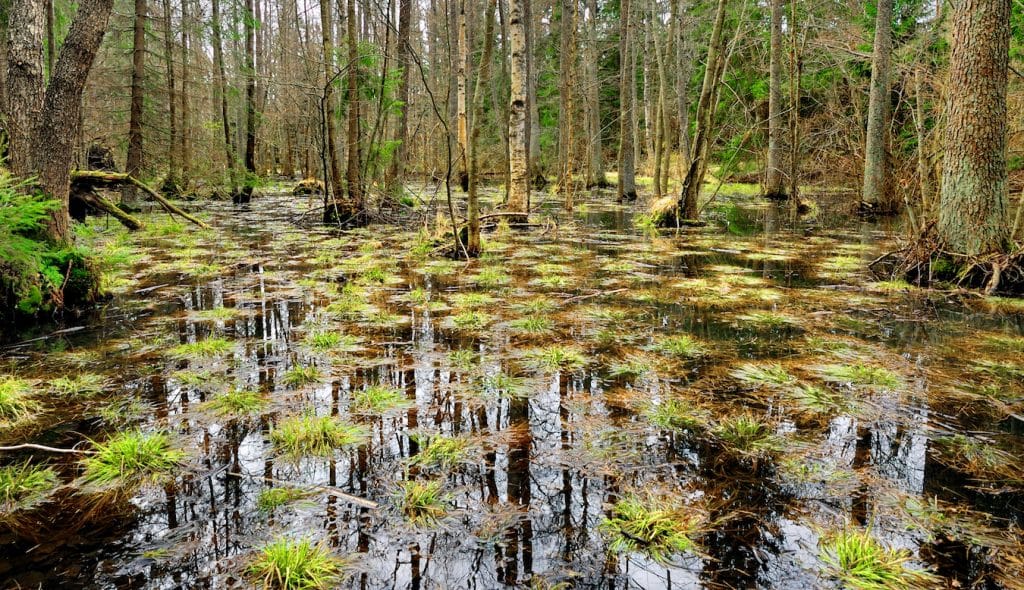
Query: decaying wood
(98, 202)
(85, 180)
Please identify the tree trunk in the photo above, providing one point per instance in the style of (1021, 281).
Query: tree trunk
(519, 188)
(135, 148)
(353, 212)
(875, 195)
(483, 77)
(462, 116)
(218, 58)
(249, 69)
(398, 163)
(595, 167)
(774, 187)
(627, 127)
(172, 99)
(533, 125)
(186, 115)
(47, 122)
(567, 90)
(333, 174)
(683, 69)
(972, 213)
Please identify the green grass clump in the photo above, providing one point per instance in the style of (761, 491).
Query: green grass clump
(504, 385)
(300, 376)
(631, 367)
(894, 286)
(237, 402)
(535, 324)
(682, 346)
(863, 375)
(768, 319)
(209, 348)
(676, 414)
(470, 320)
(423, 503)
(491, 276)
(218, 314)
(654, 527)
(16, 403)
(819, 400)
(315, 436)
(463, 359)
(471, 300)
(132, 458)
(287, 564)
(80, 386)
(535, 306)
(764, 375)
(557, 357)
(378, 399)
(271, 499)
(861, 562)
(440, 451)
(745, 435)
(23, 486)
(1005, 343)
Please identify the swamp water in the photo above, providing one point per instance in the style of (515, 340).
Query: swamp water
(585, 406)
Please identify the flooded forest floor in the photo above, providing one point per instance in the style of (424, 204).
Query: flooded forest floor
(587, 405)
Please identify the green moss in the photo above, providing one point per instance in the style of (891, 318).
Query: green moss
(316, 436)
(132, 458)
(286, 564)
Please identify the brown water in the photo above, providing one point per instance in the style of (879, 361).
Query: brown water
(551, 449)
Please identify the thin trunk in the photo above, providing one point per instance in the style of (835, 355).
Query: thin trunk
(354, 205)
(519, 187)
(795, 74)
(462, 116)
(773, 184)
(133, 167)
(186, 114)
(972, 213)
(567, 90)
(172, 99)
(218, 58)
(483, 77)
(627, 127)
(924, 169)
(595, 167)
(51, 40)
(683, 68)
(249, 69)
(875, 195)
(533, 125)
(333, 172)
(398, 164)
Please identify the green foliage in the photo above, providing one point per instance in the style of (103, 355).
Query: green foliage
(557, 357)
(761, 375)
(24, 485)
(681, 346)
(287, 564)
(746, 435)
(676, 414)
(203, 349)
(860, 562)
(440, 451)
(657, 528)
(423, 503)
(862, 375)
(316, 436)
(299, 376)
(83, 385)
(16, 403)
(378, 399)
(236, 402)
(271, 499)
(132, 458)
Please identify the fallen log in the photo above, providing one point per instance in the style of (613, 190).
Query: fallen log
(86, 180)
(96, 201)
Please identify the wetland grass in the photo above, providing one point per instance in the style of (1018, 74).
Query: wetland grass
(131, 459)
(442, 452)
(378, 399)
(300, 376)
(861, 562)
(423, 503)
(236, 402)
(203, 349)
(83, 385)
(16, 401)
(315, 436)
(271, 499)
(24, 486)
(655, 527)
(295, 564)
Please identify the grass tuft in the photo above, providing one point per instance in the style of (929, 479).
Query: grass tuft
(300, 376)
(861, 562)
(209, 348)
(682, 346)
(862, 375)
(132, 458)
(287, 564)
(440, 452)
(378, 399)
(557, 357)
(316, 436)
(657, 528)
(764, 375)
(745, 435)
(271, 499)
(676, 414)
(84, 385)
(237, 402)
(16, 403)
(423, 503)
(24, 486)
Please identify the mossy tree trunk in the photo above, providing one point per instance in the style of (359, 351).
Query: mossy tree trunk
(972, 213)
(46, 119)
(875, 194)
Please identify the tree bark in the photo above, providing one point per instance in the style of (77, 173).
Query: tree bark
(462, 116)
(25, 82)
(333, 174)
(875, 195)
(627, 127)
(972, 213)
(398, 163)
(567, 104)
(135, 139)
(773, 184)
(519, 188)
(595, 166)
(218, 58)
(172, 99)
(249, 69)
(353, 212)
(683, 69)
(483, 77)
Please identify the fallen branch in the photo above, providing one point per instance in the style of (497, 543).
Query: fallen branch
(93, 178)
(331, 491)
(96, 201)
(45, 448)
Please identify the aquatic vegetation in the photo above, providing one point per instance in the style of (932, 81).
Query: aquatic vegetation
(236, 402)
(504, 385)
(470, 320)
(535, 306)
(378, 399)
(676, 414)
(24, 486)
(1006, 370)
(132, 458)
(418, 296)
(894, 286)
(552, 281)
(271, 499)
(490, 277)
(218, 314)
(556, 357)
(315, 436)
(768, 319)
(423, 503)
(630, 367)
(983, 459)
(680, 346)
(471, 300)
(375, 274)
(764, 375)
(860, 374)
(746, 435)
(83, 385)
(658, 528)
(440, 452)
(299, 376)
(16, 402)
(534, 325)
(120, 412)
(324, 341)
(1005, 343)
(821, 400)
(463, 359)
(861, 562)
(203, 349)
(286, 564)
